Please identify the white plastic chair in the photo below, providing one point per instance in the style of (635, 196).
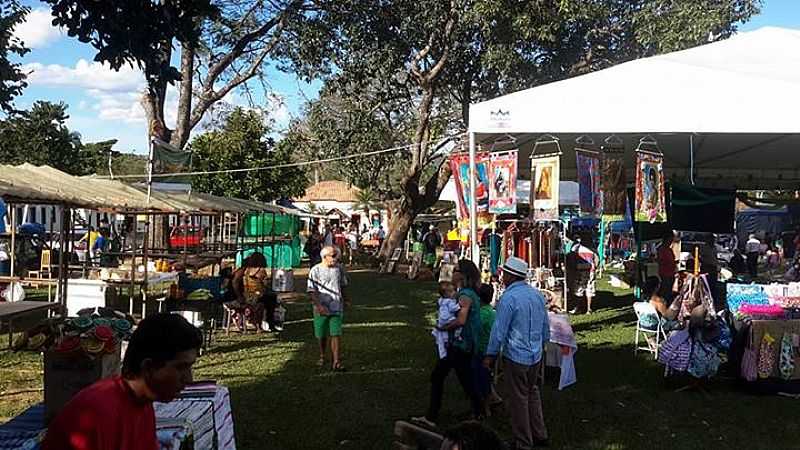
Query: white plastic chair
(643, 309)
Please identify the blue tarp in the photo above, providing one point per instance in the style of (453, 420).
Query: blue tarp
(761, 222)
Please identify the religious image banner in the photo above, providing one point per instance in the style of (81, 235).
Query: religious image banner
(613, 183)
(544, 188)
(503, 183)
(650, 204)
(589, 183)
(459, 164)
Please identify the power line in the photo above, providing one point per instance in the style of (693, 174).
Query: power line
(276, 166)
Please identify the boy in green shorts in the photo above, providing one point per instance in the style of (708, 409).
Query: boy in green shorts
(326, 283)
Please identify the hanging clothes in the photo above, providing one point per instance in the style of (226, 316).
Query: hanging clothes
(495, 240)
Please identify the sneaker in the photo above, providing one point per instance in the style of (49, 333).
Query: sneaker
(277, 328)
(424, 421)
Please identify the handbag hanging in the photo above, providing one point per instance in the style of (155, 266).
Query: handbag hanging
(786, 366)
(750, 360)
(766, 356)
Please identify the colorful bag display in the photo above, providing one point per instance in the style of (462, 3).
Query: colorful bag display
(766, 356)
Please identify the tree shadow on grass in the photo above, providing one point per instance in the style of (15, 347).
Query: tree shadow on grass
(290, 403)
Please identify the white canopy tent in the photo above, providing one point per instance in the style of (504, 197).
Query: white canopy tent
(724, 114)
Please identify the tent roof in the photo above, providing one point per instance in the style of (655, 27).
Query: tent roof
(749, 83)
(28, 183)
(736, 99)
(330, 190)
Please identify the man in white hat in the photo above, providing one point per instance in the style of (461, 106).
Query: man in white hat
(520, 330)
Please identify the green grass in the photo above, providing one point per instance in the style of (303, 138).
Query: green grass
(281, 400)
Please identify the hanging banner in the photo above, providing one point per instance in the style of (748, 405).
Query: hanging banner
(503, 183)
(650, 204)
(613, 183)
(589, 183)
(544, 189)
(459, 164)
(168, 159)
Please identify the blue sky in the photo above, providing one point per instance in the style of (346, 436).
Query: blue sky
(103, 104)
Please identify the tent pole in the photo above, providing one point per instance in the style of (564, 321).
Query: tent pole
(13, 238)
(691, 158)
(150, 170)
(473, 206)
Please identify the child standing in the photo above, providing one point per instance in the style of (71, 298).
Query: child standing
(448, 310)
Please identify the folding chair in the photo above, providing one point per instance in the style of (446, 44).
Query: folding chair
(642, 310)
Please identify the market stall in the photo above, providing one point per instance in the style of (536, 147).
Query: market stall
(686, 130)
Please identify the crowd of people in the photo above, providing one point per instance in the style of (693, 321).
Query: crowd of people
(470, 334)
(347, 240)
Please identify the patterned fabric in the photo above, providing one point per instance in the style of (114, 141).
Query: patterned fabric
(704, 361)
(787, 357)
(675, 352)
(741, 294)
(20, 440)
(766, 356)
(750, 364)
(589, 183)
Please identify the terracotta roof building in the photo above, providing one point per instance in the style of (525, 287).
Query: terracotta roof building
(333, 190)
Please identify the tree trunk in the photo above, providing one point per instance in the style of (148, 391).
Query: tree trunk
(154, 97)
(398, 230)
(183, 124)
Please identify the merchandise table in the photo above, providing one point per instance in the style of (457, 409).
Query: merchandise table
(10, 310)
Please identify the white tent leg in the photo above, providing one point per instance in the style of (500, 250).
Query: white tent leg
(473, 205)
(691, 158)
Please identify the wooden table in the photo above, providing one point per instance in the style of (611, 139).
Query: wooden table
(11, 310)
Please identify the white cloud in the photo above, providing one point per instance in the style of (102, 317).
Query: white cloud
(87, 75)
(38, 31)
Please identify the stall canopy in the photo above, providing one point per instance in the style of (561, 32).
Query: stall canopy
(727, 108)
(28, 183)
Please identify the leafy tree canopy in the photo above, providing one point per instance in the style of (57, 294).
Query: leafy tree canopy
(40, 136)
(243, 142)
(12, 79)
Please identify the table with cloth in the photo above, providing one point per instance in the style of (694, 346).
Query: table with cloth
(560, 351)
(200, 419)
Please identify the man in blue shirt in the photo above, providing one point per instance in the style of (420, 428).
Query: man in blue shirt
(520, 330)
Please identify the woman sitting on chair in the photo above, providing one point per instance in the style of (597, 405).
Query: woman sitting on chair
(253, 295)
(666, 313)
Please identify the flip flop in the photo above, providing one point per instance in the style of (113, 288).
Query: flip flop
(338, 367)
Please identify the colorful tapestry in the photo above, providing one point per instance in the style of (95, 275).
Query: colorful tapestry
(459, 163)
(613, 186)
(503, 183)
(650, 205)
(589, 183)
(544, 189)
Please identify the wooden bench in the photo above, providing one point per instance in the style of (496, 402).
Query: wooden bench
(409, 436)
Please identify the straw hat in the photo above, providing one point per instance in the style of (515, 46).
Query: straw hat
(516, 266)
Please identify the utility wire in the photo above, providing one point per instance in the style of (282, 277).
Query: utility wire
(276, 166)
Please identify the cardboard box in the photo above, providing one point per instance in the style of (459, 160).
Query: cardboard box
(66, 375)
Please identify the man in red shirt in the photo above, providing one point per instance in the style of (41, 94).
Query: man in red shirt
(667, 266)
(117, 413)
